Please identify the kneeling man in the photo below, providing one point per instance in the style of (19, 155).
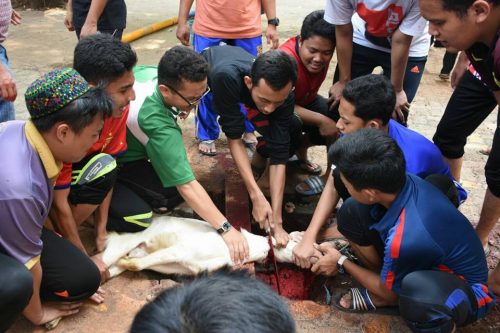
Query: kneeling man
(421, 252)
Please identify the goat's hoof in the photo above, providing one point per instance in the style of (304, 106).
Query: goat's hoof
(128, 264)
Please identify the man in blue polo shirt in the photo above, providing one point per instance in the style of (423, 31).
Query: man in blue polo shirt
(418, 251)
(367, 102)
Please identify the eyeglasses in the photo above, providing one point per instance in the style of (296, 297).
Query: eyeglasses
(194, 102)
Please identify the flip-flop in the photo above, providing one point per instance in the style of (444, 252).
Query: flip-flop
(362, 303)
(210, 144)
(316, 185)
(307, 166)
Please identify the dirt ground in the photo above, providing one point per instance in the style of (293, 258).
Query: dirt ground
(42, 43)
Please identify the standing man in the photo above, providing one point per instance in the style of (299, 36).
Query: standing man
(222, 22)
(370, 33)
(87, 17)
(472, 26)
(8, 89)
(66, 119)
(265, 86)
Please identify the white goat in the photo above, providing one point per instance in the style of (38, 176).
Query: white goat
(175, 245)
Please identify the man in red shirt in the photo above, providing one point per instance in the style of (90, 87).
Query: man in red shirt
(85, 188)
(313, 50)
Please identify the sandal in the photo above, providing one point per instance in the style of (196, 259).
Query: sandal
(210, 145)
(307, 166)
(316, 185)
(361, 303)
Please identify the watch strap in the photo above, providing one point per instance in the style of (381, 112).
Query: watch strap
(340, 264)
(225, 227)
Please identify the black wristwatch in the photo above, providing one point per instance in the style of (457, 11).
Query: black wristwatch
(275, 21)
(225, 227)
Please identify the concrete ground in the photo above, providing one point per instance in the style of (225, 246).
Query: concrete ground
(41, 43)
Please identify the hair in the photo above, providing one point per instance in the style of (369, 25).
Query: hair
(181, 63)
(369, 158)
(276, 67)
(225, 301)
(460, 7)
(315, 25)
(79, 113)
(101, 58)
(373, 97)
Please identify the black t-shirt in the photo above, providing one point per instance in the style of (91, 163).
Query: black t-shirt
(228, 66)
(486, 61)
(114, 15)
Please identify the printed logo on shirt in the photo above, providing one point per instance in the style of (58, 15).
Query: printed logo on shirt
(381, 23)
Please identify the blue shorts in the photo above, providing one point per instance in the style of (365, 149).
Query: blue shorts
(207, 127)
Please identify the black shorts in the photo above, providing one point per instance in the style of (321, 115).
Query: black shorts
(319, 105)
(470, 104)
(92, 190)
(295, 130)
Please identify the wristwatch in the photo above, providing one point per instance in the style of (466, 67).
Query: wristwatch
(225, 227)
(275, 21)
(340, 264)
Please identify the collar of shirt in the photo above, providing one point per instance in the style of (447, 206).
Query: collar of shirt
(391, 216)
(52, 167)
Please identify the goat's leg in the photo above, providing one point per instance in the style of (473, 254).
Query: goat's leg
(161, 257)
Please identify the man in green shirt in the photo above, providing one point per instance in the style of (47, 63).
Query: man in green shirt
(155, 170)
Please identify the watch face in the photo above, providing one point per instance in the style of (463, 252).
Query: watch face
(275, 21)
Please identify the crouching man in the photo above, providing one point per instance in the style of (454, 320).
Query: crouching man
(422, 252)
(154, 173)
(66, 120)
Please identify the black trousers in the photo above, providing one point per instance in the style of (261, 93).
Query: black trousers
(137, 193)
(16, 288)
(319, 105)
(470, 103)
(68, 274)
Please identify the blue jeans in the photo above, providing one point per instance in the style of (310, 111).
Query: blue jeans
(205, 119)
(6, 108)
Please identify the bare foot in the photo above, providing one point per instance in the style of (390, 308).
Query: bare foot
(98, 297)
(207, 147)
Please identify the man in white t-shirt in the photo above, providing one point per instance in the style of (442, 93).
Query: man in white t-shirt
(391, 34)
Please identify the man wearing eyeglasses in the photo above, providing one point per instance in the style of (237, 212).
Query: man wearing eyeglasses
(154, 173)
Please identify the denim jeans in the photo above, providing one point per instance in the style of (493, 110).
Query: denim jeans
(6, 108)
